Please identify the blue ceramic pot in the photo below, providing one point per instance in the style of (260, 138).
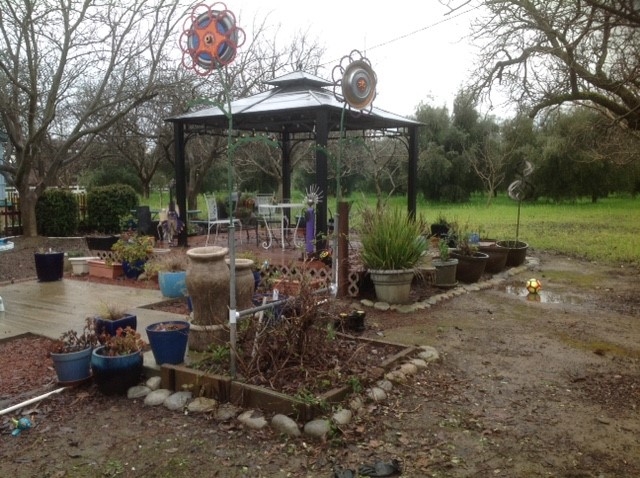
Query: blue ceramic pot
(72, 367)
(172, 284)
(110, 326)
(133, 270)
(168, 341)
(115, 375)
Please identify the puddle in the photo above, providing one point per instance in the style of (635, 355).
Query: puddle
(543, 296)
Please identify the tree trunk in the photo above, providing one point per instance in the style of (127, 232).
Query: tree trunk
(28, 200)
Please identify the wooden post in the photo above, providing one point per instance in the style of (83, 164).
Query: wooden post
(343, 249)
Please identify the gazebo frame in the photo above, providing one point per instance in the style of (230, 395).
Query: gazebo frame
(299, 104)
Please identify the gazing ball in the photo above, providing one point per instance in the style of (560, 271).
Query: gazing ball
(533, 286)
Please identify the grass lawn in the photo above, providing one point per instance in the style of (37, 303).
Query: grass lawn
(607, 231)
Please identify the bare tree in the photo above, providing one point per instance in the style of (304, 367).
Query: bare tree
(545, 54)
(69, 70)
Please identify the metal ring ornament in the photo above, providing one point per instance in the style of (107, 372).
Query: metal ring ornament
(210, 39)
(356, 81)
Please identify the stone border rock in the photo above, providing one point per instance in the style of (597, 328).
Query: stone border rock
(318, 428)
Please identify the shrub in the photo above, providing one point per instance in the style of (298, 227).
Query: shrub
(57, 213)
(107, 204)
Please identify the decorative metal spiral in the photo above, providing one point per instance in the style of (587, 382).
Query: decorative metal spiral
(210, 39)
(521, 189)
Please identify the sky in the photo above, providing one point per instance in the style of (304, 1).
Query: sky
(418, 53)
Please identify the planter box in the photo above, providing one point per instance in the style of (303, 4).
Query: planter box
(224, 389)
(101, 269)
(80, 265)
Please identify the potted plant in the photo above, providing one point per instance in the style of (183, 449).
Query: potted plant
(471, 262)
(79, 262)
(117, 363)
(445, 266)
(392, 245)
(133, 252)
(518, 190)
(171, 271)
(49, 265)
(440, 228)
(71, 354)
(168, 341)
(112, 318)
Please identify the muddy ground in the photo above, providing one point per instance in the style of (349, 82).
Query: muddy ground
(523, 389)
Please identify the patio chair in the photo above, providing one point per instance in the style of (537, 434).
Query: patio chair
(213, 218)
(267, 215)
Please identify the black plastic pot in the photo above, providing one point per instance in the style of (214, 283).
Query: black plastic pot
(101, 243)
(49, 266)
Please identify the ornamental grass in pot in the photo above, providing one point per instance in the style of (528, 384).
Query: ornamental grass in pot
(392, 245)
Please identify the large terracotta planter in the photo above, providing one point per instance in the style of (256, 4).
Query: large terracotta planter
(392, 286)
(207, 282)
(245, 282)
(470, 268)
(517, 252)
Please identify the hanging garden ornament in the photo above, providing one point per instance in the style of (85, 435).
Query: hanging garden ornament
(521, 189)
(354, 81)
(210, 39)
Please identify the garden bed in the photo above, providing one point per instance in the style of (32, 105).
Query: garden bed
(349, 364)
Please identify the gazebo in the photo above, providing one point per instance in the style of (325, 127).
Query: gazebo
(298, 105)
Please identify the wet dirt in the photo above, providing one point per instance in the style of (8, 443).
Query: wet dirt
(523, 388)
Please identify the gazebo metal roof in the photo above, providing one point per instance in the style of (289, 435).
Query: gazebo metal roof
(298, 103)
(293, 104)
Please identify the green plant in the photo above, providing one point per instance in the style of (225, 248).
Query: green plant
(391, 239)
(57, 213)
(126, 341)
(464, 246)
(112, 312)
(72, 341)
(133, 248)
(166, 263)
(219, 353)
(443, 248)
(107, 204)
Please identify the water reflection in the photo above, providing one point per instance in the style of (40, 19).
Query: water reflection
(542, 296)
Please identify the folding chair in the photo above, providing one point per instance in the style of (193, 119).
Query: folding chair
(213, 219)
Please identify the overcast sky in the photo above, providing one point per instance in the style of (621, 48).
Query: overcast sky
(417, 52)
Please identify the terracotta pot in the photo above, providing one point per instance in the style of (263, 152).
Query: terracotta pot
(497, 257)
(470, 268)
(517, 252)
(99, 268)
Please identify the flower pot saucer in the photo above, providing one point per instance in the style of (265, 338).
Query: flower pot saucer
(447, 286)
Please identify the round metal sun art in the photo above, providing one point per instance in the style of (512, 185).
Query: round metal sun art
(210, 39)
(354, 81)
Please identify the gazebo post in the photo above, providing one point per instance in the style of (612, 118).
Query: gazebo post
(412, 190)
(181, 180)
